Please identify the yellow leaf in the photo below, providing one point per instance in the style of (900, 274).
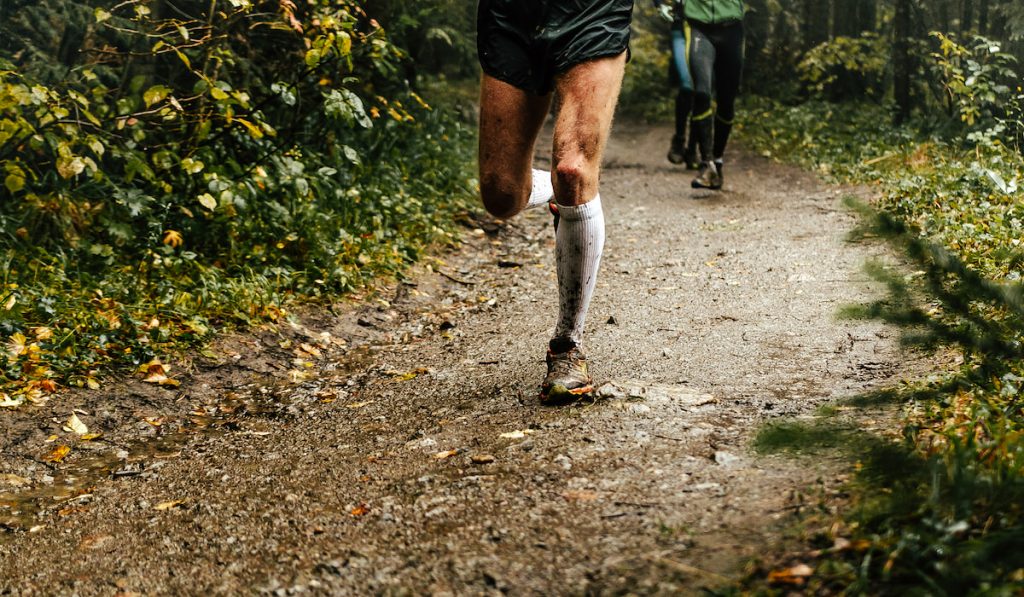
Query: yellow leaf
(445, 454)
(207, 201)
(57, 454)
(172, 238)
(76, 425)
(92, 436)
(253, 129)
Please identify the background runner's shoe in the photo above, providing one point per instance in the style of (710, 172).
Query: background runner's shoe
(567, 378)
(708, 177)
(676, 153)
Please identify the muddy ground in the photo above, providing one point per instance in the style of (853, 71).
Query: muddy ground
(394, 443)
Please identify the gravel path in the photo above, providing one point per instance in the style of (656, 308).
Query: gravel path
(414, 457)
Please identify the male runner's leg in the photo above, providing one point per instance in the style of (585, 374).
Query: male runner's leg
(510, 120)
(587, 94)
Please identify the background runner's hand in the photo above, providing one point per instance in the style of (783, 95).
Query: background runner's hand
(664, 9)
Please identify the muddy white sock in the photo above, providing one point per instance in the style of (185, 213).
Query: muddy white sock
(542, 191)
(579, 241)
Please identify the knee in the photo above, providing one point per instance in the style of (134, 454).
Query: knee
(502, 198)
(572, 177)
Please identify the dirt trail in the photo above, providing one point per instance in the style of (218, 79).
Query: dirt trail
(714, 313)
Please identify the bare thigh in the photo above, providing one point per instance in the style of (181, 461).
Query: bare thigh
(510, 120)
(587, 94)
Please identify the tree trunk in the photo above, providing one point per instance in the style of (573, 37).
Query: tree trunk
(983, 17)
(815, 25)
(901, 60)
(845, 21)
(967, 19)
(867, 15)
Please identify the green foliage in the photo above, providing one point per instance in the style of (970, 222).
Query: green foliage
(950, 521)
(978, 82)
(200, 164)
(646, 92)
(846, 68)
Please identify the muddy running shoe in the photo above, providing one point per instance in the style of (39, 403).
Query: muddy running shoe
(676, 151)
(567, 377)
(708, 177)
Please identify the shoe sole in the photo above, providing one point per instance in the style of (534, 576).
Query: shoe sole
(563, 395)
(696, 185)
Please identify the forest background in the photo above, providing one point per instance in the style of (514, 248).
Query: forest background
(172, 168)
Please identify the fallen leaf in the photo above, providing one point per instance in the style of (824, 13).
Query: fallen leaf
(168, 505)
(795, 575)
(76, 425)
(445, 454)
(310, 349)
(358, 404)
(360, 510)
(517, 434)
(481, 459)
(57, 454)
(156, 372)
(92, 436)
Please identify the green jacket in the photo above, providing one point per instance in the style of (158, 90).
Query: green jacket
(713, 11)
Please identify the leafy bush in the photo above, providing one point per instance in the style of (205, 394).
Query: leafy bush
(979, 86)
(173, 172)
(847, 68)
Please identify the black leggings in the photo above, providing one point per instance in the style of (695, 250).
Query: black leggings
(716, 64)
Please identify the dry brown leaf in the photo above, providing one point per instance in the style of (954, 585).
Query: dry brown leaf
(360, 510)
(445, 454)
(481, 459)
(57, 454)
(92, 436)
(311, 350)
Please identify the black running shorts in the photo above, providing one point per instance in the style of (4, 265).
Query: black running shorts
(525, 43)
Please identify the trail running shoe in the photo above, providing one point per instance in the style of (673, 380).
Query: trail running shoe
(676, 151)
(567, 377)
(708, 177)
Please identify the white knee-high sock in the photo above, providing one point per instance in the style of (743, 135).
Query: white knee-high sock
(578, 245)
(542, 191)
